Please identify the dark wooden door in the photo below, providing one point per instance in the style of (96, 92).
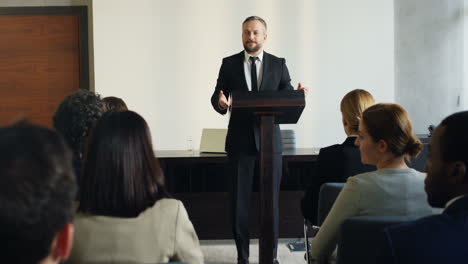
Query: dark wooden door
(40, 62)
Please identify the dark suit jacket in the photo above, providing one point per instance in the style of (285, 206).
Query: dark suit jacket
(334, 164)
(243, 134)
(434, 239)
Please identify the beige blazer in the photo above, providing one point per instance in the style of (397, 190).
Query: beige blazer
(398, 192)
(160, 234)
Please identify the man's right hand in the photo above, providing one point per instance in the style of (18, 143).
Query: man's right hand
(222, 101)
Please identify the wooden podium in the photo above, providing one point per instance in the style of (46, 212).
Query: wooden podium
(270, 107)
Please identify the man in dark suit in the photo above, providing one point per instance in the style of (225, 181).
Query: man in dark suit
(250, 70)
(439, 238)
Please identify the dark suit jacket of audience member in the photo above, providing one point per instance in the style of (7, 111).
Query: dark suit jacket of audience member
(77, 164)
(441, 238)
(334, 164)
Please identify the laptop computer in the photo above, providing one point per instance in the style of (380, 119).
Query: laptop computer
(213, 140)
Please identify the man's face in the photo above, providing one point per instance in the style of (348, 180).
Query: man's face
(437, 183)
(253, 36)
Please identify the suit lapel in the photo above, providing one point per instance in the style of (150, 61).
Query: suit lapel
(265, 71)
(241, 71)
(458, 206)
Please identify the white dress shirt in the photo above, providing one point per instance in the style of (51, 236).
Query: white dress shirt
(247, 67)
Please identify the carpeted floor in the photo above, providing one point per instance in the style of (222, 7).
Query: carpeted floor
(224, 252)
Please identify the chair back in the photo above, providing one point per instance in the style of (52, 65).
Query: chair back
(327, 196)
(361, 236)
(419, 161)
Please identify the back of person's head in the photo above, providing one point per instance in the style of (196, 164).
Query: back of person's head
(352, 105)
(75, 117)
(37, 190)
(454, 140)
(121, 175)
(447, 165)
(112, 103)
(392, 124)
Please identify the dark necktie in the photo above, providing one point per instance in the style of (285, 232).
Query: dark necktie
(253, 74)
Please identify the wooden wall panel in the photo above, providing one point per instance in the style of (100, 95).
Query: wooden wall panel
(39, 65)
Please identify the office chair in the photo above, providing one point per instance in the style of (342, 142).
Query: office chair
(328, 193)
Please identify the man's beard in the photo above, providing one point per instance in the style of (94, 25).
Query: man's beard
(253, 49)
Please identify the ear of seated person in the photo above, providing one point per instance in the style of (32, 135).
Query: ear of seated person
(125, 214)
(385, 139)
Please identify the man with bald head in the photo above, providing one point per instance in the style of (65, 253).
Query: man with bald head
(439, 238)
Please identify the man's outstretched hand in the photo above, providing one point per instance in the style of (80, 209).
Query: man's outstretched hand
(222, 101)
(303, 88)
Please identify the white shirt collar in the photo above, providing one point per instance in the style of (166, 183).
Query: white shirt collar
(453, 200)
(247, 56)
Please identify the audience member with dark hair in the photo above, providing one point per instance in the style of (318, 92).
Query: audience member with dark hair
(125, 213)
(441, 238)
(337, 162)
(385, 139)
(37, 190)
(112, 103)
(74, 119)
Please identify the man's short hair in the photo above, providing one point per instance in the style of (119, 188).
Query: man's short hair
(76, 116)
(37, 190)
(257, 18)
(454, 140)
(112, 103)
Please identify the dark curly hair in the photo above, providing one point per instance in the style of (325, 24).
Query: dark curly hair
(75, 117)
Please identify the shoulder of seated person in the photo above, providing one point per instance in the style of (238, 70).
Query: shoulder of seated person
(362, 176)
(431, 222)
(168, 202)
(330, 148)
(165, 205)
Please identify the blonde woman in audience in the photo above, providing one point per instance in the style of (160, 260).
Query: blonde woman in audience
(337, 162)
(385, 139)
(125, 215)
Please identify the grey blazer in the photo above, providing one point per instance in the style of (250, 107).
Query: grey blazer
(398, 192)
(160, 234)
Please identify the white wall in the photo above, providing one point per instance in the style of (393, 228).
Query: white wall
(464, 17)
(163, 57)
(429, 59)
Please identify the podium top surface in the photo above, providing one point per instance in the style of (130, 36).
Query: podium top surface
(286, 106)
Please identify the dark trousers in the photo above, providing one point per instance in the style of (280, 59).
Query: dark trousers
(242, 169)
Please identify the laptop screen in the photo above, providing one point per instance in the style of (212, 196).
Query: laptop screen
(213, 140)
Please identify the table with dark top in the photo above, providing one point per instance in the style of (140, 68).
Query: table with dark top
(200, 181)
